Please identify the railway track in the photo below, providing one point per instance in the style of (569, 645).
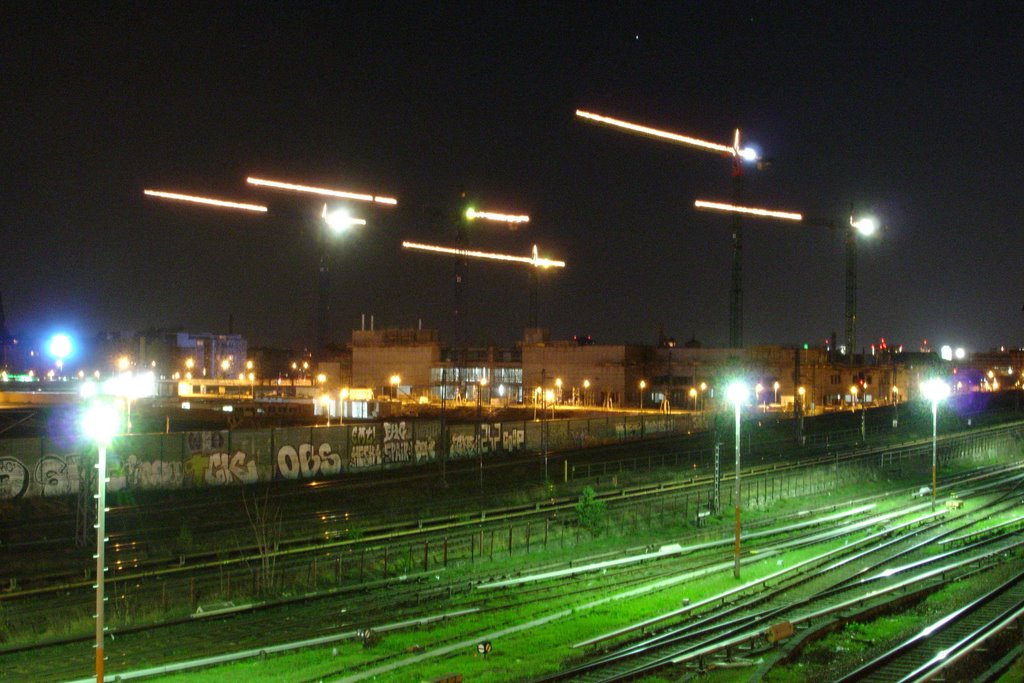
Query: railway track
(724, 631)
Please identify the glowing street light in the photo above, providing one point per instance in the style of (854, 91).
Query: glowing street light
(775, 386)
(340, 220)
(643, 385)
(693, 397)
(703, 388)
(936, 391)
(395, 380)
(736, 393)
(586, 391)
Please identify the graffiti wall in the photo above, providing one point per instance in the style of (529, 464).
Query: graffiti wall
(42, 467)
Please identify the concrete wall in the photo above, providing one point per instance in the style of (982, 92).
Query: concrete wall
(47, 467)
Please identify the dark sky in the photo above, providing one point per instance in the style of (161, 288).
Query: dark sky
(912, 111)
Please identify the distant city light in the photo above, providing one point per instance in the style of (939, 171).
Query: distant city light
(534, 260)
(205, 200)
(732, 208)
(473, 214)
(342, 194)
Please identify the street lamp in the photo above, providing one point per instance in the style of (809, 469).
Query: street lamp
(395, 381)
(866, 227)
(775, 386)
(558, 386)
(934, 390)
(801, 392)
(100, 422)
(693, 398)
(481, 383)
(736, 393)
(703, 388)
(643, 385)
(586, 390)
(758, 388)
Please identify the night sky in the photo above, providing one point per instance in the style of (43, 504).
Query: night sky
(911, 111)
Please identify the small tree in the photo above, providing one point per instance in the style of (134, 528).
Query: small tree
(590, 511)
(265, 520)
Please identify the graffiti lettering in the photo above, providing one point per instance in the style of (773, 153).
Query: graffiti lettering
(305, 462)
(513, 440)
(206, 441)
(397, 446)
(13, 479)
(365, 451)
(463, 445)
(224, 468)
(53, 476)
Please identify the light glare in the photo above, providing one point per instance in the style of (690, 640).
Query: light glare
(736, 393)
(865, 226)
(935, 390)
(60, 346)
(101, 421)
(732, 208)
(534, 260)
(205, 200)
(342, 194)
(340, 220)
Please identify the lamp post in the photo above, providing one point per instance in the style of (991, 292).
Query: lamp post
(758, 388)
(895, 407)
(693, 398)
(395, 381)
(703, 388)
(586, 390)
(775, 386)
(479, 451)
(643, 385)
(736, 393)
(100, 422)
(865, 226)
(934, 390)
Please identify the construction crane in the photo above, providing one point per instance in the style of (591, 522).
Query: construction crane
(738, 155)
(535, 260)
(865, 226)
(336, 220)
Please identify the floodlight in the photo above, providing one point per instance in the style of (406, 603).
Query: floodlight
(101, 421)
(60, 346)
(340, 220)
(866, 226)
(736, 393)
(935, 390)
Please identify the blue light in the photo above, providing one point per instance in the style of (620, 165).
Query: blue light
(60, 346)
